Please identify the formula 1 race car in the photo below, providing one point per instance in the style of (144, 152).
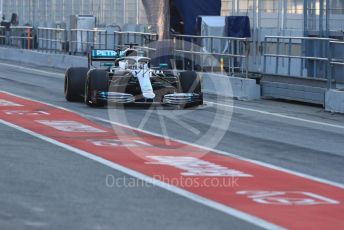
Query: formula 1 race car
(128, 79)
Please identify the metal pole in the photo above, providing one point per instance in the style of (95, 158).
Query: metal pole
(289, 54)
(327, 18)
(280, 12)
(1, 7)
(255, 30)
(124, 11)
(264, 51)
(33, 12)
(328, 65)
(247, 50)
(259, 33)
(138, 11)
(321, 19)
(285, 16)
(278, 53)
(211, 50)
(106, 40)
(233, 7)
(305, 18)
(46, 11)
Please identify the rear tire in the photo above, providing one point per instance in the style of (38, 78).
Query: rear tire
(74, 84)
(97, 81)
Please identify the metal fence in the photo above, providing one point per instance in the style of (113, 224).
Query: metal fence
(2, 35)
(336, 61)
(309, 57)
(19, 37)
(52, 40)
(212, 53)
(81, 41)
(207, 53)
(200, 53)
(142, 41)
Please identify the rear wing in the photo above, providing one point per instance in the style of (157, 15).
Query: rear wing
(100, 55)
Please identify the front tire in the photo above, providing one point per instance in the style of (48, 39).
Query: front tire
(190, 82)
(97, 81)
(74, 84)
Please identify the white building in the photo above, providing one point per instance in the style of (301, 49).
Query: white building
(269, 16)
(48, 12)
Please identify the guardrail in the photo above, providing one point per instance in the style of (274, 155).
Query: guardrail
(142, 41)
(19, 37)
(285, 48)
(81, 41)
(22, 37)
(334, 61)
(2, 35)
(52, 39)
(215, 53)
(201, 53)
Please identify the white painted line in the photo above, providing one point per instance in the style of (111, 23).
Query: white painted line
(70, 126)
(277, 115)
(201, 200)
(6, 103)
(32, 69)
(215, 103)
(25, 113)
(270, 166)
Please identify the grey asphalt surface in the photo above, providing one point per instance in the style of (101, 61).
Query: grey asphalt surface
(46, 187)
(51, 188)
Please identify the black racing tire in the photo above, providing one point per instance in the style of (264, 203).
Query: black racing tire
(74, 84)
(190, 82)
(97, 80)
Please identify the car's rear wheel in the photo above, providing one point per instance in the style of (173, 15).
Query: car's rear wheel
(74, 84)
(97, 81)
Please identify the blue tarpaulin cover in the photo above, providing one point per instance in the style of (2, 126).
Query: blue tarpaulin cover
(238, 26)
(190, 9)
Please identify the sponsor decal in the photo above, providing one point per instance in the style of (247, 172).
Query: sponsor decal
(104, 53)
(287, 198)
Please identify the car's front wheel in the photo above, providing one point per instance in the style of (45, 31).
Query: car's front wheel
(190, 82)
(96, 82)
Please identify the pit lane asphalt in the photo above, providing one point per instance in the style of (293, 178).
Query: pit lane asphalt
(303, 144)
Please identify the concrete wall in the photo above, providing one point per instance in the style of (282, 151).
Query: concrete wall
(334, 101)
(228, 86)
(41, 59)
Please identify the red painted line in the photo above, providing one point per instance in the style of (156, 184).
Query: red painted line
(278, 197)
